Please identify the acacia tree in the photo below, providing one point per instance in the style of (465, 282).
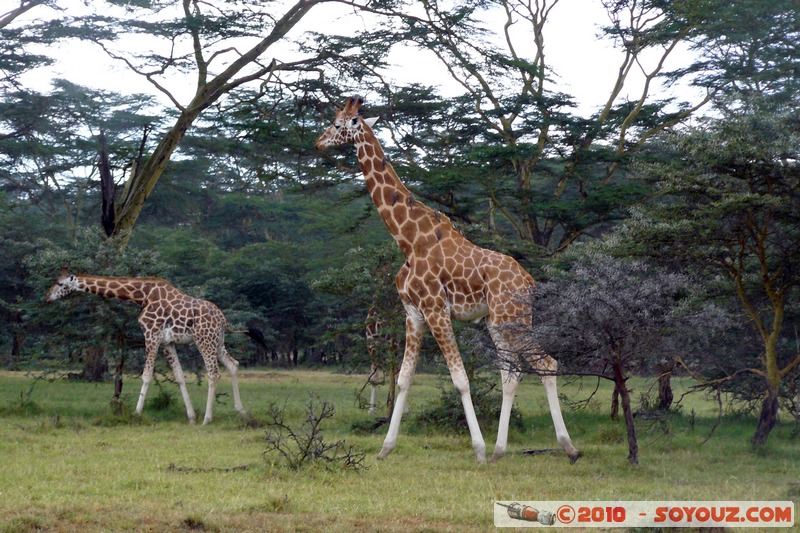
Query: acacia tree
(610, 318)
(733, 209)
(224, 44)
(50, 162)
(14, 56)
(550, 174)
(731, 187)
(366, 284)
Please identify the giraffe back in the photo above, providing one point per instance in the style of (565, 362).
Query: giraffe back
(175, 317)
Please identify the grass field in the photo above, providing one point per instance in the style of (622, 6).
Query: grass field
(68, 464)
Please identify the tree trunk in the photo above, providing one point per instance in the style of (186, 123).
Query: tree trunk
(95, 365)
(16, 347)
(615, 404)
(141, 183)
(769, 408)
(118, 377)
(625, 400)
(392, 372)
(767, 419)
(17, 337)
(107, 188)
(665, 395)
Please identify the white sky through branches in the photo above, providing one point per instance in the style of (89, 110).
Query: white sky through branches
(584, 65)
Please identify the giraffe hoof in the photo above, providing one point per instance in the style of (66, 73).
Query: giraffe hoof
(574, 457)
(496, 456)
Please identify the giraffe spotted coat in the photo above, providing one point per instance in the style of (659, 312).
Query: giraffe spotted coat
(168, 317)
(446, 277)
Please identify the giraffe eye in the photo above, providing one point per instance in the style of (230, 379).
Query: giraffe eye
(355, 121)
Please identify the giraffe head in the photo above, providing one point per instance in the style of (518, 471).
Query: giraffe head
(346, 126)
(65, 284)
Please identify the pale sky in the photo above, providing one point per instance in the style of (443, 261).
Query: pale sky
(585, 66)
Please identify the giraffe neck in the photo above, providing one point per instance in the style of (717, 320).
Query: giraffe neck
(130, 289)
(413, 225)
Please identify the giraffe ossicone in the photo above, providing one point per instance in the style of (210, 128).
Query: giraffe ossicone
(168, 317)
(446, 277)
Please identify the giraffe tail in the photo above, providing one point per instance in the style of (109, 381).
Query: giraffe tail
(255, 334)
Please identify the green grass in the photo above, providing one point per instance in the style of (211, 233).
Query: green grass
(68, 463)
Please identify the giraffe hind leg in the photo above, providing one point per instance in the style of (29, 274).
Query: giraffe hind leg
(209, 353)
(510, 381)
(177, 372)
(562, 435)
(510, 350)
(510, 377)
(548, 368)
(233, 367)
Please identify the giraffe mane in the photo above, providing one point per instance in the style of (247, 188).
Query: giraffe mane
(131, 278)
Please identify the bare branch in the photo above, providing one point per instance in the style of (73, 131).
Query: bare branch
(24, 6)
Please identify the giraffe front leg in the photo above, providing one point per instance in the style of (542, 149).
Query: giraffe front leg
(562, 435)
(151, 349)
(461, 382)
(147, 377)
(442, 329)
(415, 328)
(177, 373)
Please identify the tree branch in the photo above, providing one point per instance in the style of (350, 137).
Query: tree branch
(9, 16)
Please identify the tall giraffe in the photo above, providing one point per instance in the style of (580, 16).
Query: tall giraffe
(446, 277)
(168, 317)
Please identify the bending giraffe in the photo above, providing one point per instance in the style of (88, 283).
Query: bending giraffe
(447, 277)
(168, 317)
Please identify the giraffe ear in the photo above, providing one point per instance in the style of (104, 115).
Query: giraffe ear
(371, 121)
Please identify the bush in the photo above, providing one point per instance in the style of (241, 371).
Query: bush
(306, 445)
(487, 398)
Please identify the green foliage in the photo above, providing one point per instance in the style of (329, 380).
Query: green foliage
(447, 412)
(162, 400)
(731, 211)
(251, 217)
(365, 283)
(67, 329)
(748, 49)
